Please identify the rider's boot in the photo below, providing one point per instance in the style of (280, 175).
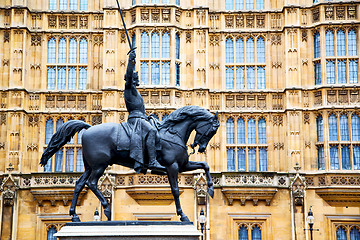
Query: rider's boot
(150, 144)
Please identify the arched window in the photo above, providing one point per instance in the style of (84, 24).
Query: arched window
(155, 45)
(340, 39)
(345, 158)
(73, 5)
(321, 159)
(177, 46)
(61, 78)
(250, 50)
(79, 161)
(52, 4)
(230, 131)
(256, 233)
(329, 43)
(252, 159)
(83, 50)
(249, 4)
(82, 78)
(165, 73)
(243, 233)
(317, 49)
(59, 123)
(240, 77)
(353, 71)
(72, 50)
(239, 50)
(72, 78)
(229, 77)
(317, 69)
(319, 129)
(241, 131)
(333, 128)
(352, 46)
(344, 128)
(260, 77)
(69, 160)
(330, 71)
(144, 45)
(354, 234)
(62, 51)
(250, 77)
(262, 159)
(260, 50)
(229, 50)
(355, 127)
(241, 159)
(59, 160)
(50, 78)
(262, 131)
(166, 45)
(63, 4)
(229, 4)
(341, 71)
(230, 154)
(155, 74)
(260, 4)
(83, 5)
(251, 131)
(50, 233)
(49, 129)
(144, 71)
(341, 234)
(334, 157)
(239, 4)
(51, 50)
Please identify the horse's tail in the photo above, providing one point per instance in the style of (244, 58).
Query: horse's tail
(61, 137)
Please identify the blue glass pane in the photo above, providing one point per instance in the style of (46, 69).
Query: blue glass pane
(317, 49)
(61, 78)
(356, 157)
(256, 233)
(82, 78)
(249, 4)
(250, 77)
(355, 127)
(49, 129)
(330, 72)
(241, 159)
(263, 159)
(250, 50)
(52, 4)
(166, 45)
(79, 161)
(243, 233)
(59, 160)
(345, 158)
(321, 160)
(48, 166)
(51, 50)
(73, 5)
(240, 77)
(229, 4)
(177, 46)
(329, 43)
(251, 131)
(319, 129)
(155, 74)
(317, 69)
(72, 78)
(341, 71)
(334, 158)
(177, 74)
(165, 73)
(177, 2)
(50, 78)
(260, 48)
(241, 131)
(354, 234)
(69, 160)
(62, 51)
(229, 50)
(83, 5)
(144, 45)
(262, 131)
(239, 4)
(229, 78)
(62, 4)
(166, 1)
(59, 124)
(340, 43)
(83, 50)
(344, 128)
(341, 234)
(353, 71)
(239, 50)
(333, 128)
(72, 50)
(352, 45)
(259, 4)
(261, 77)
(50, 234)
(155, 45)
(231, 159)
(252, 159)
(230, 131)
(144, 72)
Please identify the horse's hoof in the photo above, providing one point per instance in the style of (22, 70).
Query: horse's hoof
(107, 213)
(211, 191)
(184, 219)
(75, 218)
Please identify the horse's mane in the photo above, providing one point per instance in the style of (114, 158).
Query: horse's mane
(195, 112)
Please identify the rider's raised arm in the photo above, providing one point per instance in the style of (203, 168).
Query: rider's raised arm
(130, 70)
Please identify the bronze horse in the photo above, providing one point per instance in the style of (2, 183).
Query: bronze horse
(100, 144)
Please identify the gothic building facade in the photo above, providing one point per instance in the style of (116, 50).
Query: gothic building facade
(283, 76)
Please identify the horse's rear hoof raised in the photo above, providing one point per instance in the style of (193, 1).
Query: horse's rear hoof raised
(75, 218)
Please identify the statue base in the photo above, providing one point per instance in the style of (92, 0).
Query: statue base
(129, 230)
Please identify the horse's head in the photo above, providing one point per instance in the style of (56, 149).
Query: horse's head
(205, 130)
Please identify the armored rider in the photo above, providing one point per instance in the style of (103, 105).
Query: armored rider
(143, 135)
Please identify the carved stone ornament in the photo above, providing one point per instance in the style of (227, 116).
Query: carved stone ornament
(304, 35)
(340, 13)
(276, 39)
(83, 22)
(3, 119)
(133, 16)
(63, 21)
(316, 14)
(155, 15)
(250, 21)
(8, 189)
(2, 145)
(260, 21)
(73, 22)
(177, 15)
(35, 40)
(166, 15)
(214, 40)
(6, 36)
(188, 37)
(52, 21)
(329, 13)
(144, 15)
(306, 118)
(298, 190)
(352, 12)
(229, 21)
(239, 21)
(201, 189)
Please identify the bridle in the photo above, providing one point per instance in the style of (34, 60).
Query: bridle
(193, 145)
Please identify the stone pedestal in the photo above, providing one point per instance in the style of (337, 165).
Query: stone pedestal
(129, 230)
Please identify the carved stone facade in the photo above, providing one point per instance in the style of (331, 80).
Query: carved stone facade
(289, 103)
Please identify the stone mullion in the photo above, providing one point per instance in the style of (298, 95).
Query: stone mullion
(326, 140)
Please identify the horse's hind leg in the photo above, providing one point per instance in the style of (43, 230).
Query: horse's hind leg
(173, 171)
(92, 183)
(80, 183)
(190, 166)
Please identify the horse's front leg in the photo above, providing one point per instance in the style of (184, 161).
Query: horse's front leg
(190, 166)
(173, 171)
